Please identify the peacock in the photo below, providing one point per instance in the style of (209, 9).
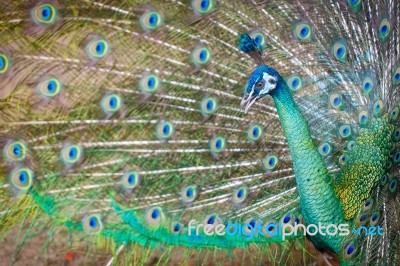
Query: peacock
(123, 123)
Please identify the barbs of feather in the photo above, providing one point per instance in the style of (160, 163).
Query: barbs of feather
(117, 125)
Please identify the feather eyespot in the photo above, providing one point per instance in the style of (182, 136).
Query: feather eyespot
(212, 219)
(339, 50)
(374, 219)
(259, 38)
(288, 219)
(351, 144)
(349, 249)
(396, 157)
(396, 76)
(362, 219)
(302, 32)
(50, 87)
(130, 180)
(255, 132)
(149, 83)
(200, 55)
(384, 29)
(151, 20)
(336, 101)
(325, 149)
(97, 49)
(393, 183)
(294, 82)
(176, 228)
(92, 224)
(342, 159)
(203, 7)
(239, 195)
(154, 216)
(71, 154)
(394, 114)
(384, 179)
(189, 194)
(378, 107)
(363, 118)
(15, 151)
(217, 144)
(367, 85)
(299, 220)
(344, 131)
(249, 225)
(208, 106)
(111, 103)
(369, 203)
(22, 179)
(270, 162)
(44, 14)
(270, 229)
(396, 134)
(4, 63)
(165, 130)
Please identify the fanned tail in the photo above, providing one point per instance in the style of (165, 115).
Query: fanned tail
(120, 122)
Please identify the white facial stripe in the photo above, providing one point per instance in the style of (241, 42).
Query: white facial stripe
(267, 86)
(266, 76)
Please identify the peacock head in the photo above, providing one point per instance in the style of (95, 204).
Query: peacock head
(262, 82)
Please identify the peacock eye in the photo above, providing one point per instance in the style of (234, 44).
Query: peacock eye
(260, 84)
(272, 81)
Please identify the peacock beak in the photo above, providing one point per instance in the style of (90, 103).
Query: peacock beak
(248, 100)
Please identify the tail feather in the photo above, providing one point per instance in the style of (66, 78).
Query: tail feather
(123, 119)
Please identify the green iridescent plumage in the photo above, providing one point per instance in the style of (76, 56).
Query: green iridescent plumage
(318, 201)
(121, 122)
(365, 165)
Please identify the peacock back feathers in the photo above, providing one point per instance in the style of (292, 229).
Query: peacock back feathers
(121, 122)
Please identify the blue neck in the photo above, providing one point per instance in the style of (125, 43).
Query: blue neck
(318, 200)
